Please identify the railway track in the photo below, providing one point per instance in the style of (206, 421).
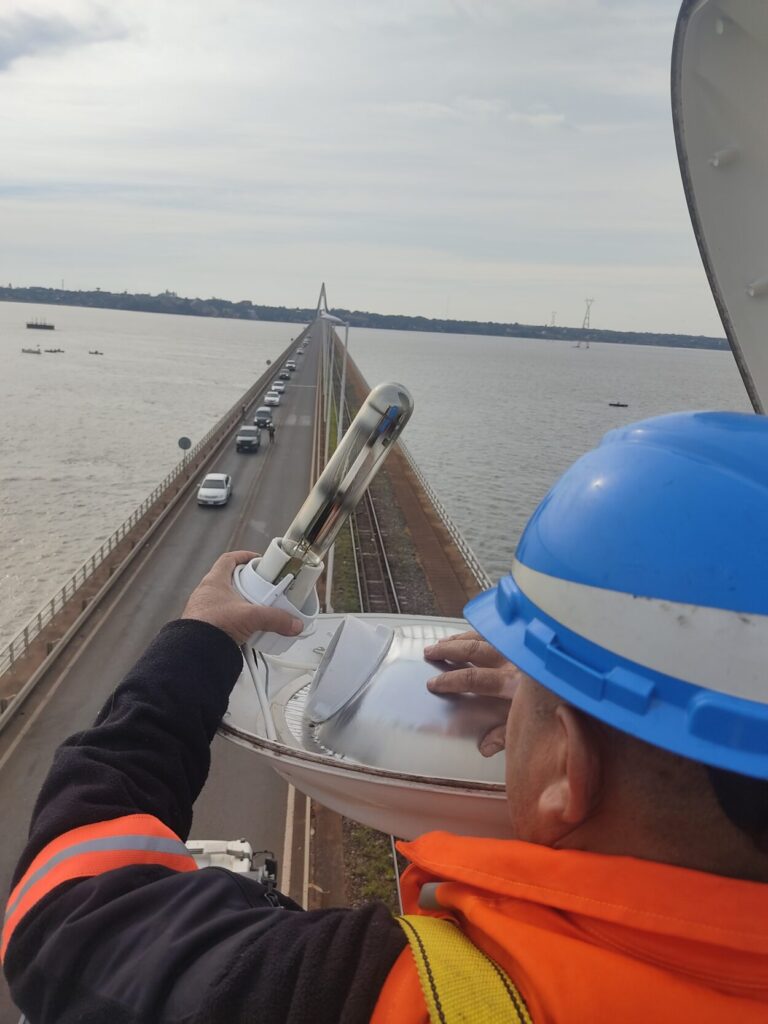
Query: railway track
(375, 584)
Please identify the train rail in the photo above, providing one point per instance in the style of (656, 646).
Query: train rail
(375, 585)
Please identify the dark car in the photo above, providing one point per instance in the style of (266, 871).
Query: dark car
(284, 375)
(263, 416)
(248, 439)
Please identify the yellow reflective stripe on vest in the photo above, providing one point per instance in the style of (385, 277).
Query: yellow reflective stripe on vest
(460, 983)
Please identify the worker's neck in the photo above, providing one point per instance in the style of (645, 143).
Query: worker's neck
(721, 849)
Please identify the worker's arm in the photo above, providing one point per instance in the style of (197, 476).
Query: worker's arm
(148, 752)
(109, 919)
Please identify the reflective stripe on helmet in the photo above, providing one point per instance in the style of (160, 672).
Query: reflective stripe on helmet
(704, 725)
(92, 850)
(710, 647)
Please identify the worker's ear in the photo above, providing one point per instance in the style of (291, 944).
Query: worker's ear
(572, 790)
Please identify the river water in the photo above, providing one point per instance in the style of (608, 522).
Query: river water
(85, 438)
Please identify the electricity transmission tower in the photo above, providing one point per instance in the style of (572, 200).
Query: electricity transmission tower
(585, 323)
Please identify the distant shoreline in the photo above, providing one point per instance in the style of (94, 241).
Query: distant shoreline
(170, 302)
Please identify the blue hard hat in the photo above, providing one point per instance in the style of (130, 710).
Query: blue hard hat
(639, 589)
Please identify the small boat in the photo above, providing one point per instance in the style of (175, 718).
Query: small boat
(94, 352)
(40, 325)
(618, 405)
(32, 351)
(52, 350)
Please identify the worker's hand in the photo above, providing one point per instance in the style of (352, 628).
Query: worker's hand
(479, 669)
(216, 601)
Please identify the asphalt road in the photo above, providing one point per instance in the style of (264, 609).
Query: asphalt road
(240, 799)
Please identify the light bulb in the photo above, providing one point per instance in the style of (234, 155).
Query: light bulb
(358, 457)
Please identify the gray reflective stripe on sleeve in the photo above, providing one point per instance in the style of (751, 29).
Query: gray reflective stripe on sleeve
(156, 844)
(428, 896)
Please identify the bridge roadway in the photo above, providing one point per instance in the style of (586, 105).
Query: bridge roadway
(241, 798)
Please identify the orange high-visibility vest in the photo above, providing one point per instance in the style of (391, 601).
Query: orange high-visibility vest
(588, 938)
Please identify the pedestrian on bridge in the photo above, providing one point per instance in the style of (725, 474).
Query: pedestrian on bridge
(629, 646)
(271, 429)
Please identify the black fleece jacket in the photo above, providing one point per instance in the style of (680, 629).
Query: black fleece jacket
(147, 944)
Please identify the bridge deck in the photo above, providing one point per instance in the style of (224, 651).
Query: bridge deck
(240, 798)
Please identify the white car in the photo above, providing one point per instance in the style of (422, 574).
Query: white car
(278, 386)
(216, 489)
(271, 398)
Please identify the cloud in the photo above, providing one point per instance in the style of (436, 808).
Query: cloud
(29, 35)
(542, 119)
(420, 109)
(218, 144)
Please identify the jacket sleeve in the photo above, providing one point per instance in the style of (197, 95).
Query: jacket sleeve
(148, 751)
(145, 937)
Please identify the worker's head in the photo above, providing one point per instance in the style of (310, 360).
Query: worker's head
(573, 781)
(637, 611)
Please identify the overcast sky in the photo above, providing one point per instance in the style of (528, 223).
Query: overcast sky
(478, 159)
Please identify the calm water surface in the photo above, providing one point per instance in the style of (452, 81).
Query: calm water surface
(497, 420)
(85, 438)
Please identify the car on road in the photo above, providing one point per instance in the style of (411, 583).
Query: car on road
(271, 398)
(215, 489)
(248, 439)
(290, 365)
(263, 416)
(278, 386)
(284, 375)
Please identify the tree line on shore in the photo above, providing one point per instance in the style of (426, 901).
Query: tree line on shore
(170, 302)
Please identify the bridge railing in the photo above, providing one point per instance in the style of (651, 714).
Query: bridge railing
(469, 556)
(18, 647)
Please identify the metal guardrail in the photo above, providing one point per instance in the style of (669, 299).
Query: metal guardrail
(18, 647)
(473, 562)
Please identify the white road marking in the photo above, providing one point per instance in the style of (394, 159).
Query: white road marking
(307, 833)
(285, 866)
